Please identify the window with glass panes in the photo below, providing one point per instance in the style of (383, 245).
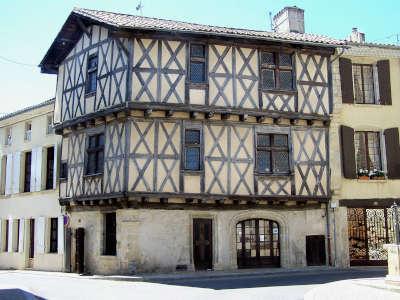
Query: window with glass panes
(363, 82)
(272, 154)
(91, 78)
(368, 154)
(95, 154)
(192, 151)
(53, 235)
(276, 71)
(197, 68)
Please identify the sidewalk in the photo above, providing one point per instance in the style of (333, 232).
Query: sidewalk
(356, 289)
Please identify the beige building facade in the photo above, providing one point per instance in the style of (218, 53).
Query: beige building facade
(32, 225)
(364, 129)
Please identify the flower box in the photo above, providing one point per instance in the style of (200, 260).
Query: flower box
(363, 177)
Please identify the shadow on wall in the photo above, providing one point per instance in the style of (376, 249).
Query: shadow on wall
(17, 294)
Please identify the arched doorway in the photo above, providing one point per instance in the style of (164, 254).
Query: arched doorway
(257, 243)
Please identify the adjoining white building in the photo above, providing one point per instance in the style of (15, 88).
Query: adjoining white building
(32, 225)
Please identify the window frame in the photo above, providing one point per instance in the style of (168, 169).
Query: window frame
(50, 124)
(271, 149)
(89, 72)
(27, 173)
(194, 127)
(198, 59)
(277, 68)
(50, 167)
(378, 144)
(28, 132)
(96, 150)
(375, 101)
(63, 166)
(8, 136)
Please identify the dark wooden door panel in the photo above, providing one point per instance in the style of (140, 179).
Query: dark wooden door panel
(80, 250)
(202, 244)
(315, 250)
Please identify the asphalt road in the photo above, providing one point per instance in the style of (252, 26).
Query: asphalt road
(279, 285)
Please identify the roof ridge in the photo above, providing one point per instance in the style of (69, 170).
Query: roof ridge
(28, 108)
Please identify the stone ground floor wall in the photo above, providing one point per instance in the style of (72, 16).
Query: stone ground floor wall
(155, 240)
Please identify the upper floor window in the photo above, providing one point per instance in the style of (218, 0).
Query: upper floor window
(28, 131)
(276, 71)
(368, 154)
(192, 152)
(91, 74)
(27, 173)
(64, 170)
(53, 235)
(50, 168)
(197, 69)
(363, 82)
(8, 137)
(95, 154)
(50, 129)
(272, 154)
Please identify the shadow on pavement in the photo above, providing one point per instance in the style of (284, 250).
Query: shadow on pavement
(270, 280)
(17, 294)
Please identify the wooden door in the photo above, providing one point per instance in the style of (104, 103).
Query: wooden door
(80, 250)
(315, 250)
(202, 244)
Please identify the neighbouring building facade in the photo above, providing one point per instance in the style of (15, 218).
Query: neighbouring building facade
(190, 147)
(365, 130)
(31, 221)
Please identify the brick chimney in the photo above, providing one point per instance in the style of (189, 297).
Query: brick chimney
(289, 19)
(356, 36)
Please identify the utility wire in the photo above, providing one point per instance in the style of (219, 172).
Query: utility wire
(16, 62)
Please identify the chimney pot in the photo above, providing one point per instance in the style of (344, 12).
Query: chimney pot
(356, 36)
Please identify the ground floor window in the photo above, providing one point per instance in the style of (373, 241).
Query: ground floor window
(257, 243)
(110, 234)
(53, 235)
(369, 229)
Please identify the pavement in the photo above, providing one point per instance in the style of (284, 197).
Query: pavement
(286, 284)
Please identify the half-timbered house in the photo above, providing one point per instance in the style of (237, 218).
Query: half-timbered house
(188, 146)
(365, 130)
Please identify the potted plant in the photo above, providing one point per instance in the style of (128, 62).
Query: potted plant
(377, 175)
(363, 174)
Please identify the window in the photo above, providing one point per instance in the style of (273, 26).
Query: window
(272, 154)
(95, 154)
(110, 234)
(28, 131)
(50, 168)
(197, 67)
(53, 235)
(363, 81)
(91, 78)
(27, 173)
(8, 137)
(192, 151)
(64, 171)
(50, 129)
(368, 155)
(7, 228)
(276, 71)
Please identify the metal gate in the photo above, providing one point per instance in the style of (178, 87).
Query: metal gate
(369, 229)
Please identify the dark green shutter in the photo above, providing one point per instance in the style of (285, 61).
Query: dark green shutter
(385, 93)
(346, 80)
(392, 153)
(348, 152)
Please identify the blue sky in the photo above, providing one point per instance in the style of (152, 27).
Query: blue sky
(28, 28)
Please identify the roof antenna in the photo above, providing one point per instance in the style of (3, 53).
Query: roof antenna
(270, 21)
(139, 7)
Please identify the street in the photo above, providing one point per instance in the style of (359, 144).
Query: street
(279, 285)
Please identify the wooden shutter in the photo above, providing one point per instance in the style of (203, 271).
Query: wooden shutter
(9, 174)
(38, 169)
(21, 235)
(346, 80)
(385, 93)
(10, 235)
(392, 153)
(39, 234)
(16, 173)
(348, 152)
(57, 158)
(60, 235)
